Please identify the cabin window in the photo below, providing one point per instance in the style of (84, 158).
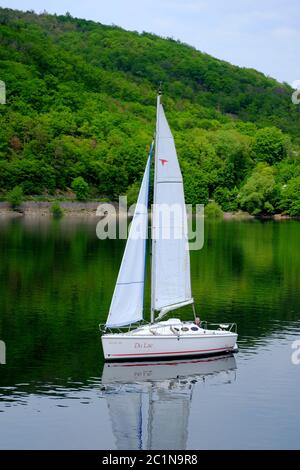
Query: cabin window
(194, 328)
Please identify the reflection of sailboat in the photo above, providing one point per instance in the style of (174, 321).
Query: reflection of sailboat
(170, 280)
(149, 403)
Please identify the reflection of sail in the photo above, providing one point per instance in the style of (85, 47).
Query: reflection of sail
(128, 406)
(149, 403)
(170, 407)
(129, 421)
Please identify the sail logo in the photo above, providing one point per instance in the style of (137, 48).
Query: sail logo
(295, 358)
(163, 161)
(2, 352)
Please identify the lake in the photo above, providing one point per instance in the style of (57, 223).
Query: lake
(56, 283)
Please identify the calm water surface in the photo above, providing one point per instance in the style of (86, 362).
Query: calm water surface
(56, 282)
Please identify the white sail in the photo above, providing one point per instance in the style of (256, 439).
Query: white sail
(128, 298)
(171, 285)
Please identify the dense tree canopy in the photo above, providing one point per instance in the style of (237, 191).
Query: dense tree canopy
(270, 145)
(258, 194)
(81, 104)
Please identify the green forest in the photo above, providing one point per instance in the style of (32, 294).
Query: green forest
(80, 114)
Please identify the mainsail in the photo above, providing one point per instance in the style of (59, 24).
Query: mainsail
(128, 298)
(171, 284)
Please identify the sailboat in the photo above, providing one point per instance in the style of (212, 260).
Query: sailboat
(170, 273)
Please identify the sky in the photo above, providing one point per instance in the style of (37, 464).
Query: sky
(261, 34)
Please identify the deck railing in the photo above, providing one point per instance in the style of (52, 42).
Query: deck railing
(230, 327)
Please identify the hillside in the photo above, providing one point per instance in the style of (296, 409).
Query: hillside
(81, 102)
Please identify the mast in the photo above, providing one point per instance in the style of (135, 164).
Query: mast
(154, 202)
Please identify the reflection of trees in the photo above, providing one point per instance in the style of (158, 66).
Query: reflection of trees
(248, 272)
(56, 283)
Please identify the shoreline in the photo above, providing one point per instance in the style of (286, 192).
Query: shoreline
(43, 209)
(89, 209)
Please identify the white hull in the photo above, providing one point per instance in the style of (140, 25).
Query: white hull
(165, 341)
